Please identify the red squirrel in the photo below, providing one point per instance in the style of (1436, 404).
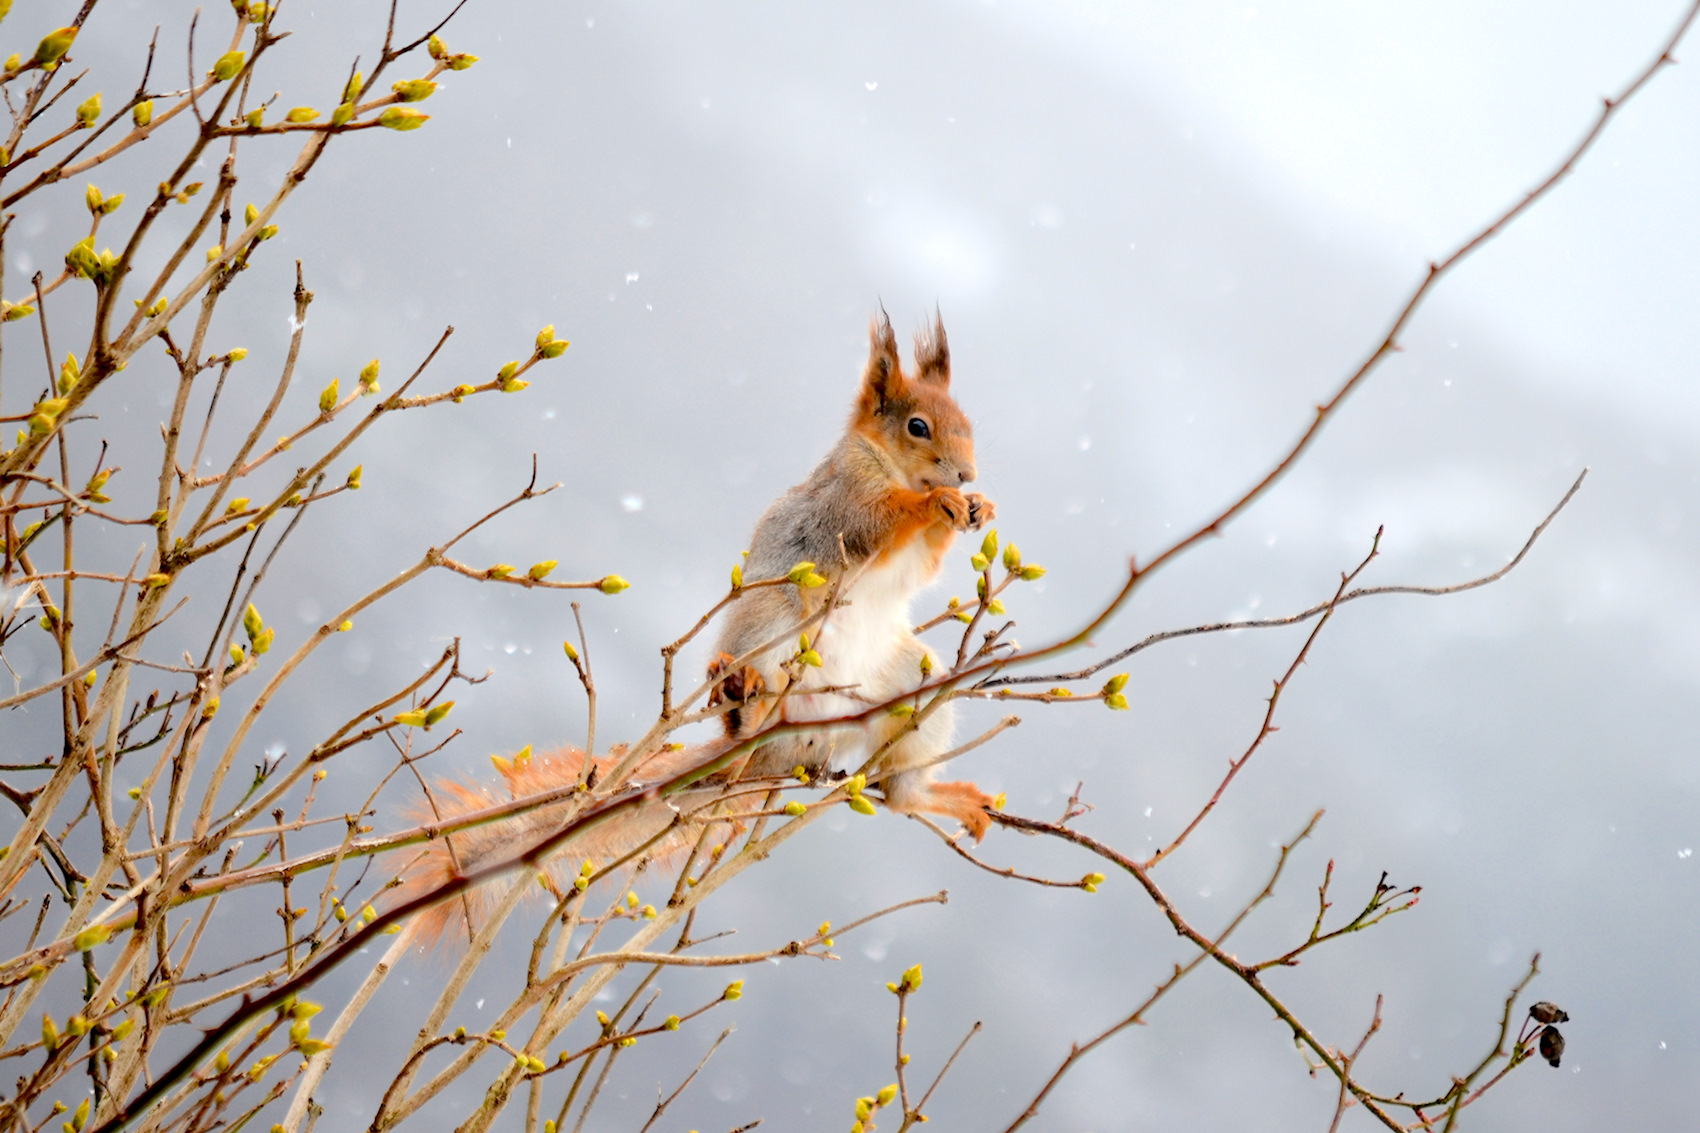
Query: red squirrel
(875, 518)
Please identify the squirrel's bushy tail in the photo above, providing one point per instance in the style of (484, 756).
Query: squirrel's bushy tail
(427, 868)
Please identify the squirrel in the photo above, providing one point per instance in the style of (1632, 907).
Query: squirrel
(875, 518)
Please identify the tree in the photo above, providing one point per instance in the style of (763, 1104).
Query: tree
(144, 887)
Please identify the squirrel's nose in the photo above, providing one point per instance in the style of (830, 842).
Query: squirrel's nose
(964, 473)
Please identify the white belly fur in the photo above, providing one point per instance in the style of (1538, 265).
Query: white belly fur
(865, 644)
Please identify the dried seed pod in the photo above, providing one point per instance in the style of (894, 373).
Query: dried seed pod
(1552, 1045)
(1548, 1012)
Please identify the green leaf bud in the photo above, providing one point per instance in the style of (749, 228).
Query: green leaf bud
(500, 570)
(613, 584)
(257, 12)
(411, 719)
(1116, 701)
(341, 115)
(885, 1096)
(52, 47)
(227, 66)
(81, 259)
(926, 665)
(142, 113)
(402, 118)
(514, 385)
(995, 607)
(263, 640)
(438, 711)
(414, 90)
(92, 198)
(268, 232)
(435, 46)
(91, 938)
(237, 654)
(554, 349)
(460, 62)
(912, 978)
(328, 398)
(508, 371)
(252, 623)
(800, 571)
(111, 204)
(16, 311)
(49, 1032)
(1115, 684)
(810, 657)
(369, 374)
(540, 571)
(989, 545)
(310, 1047)
(88, 111)
(1032, 573)
(979, 562)
(352, 90)
(301, 114)
(459, 392)
(122, 1030)
(301, 1009)
(1011, 558)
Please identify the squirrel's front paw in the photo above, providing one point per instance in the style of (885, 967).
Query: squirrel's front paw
(951, 507)
(980, 510)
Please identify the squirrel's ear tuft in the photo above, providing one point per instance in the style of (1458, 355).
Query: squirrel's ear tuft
(932, 353)
(882, 381)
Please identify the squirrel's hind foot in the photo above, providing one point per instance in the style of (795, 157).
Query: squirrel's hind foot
(737, 689)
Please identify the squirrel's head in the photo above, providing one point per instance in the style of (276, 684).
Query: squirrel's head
(910, 417)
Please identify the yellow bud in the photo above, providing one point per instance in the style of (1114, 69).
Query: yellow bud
(540, 571)
(855, 784)
(345, 627)
(672, 1023)
(502, 764)
(794, 809)
(514, 385)
(631, 899)
(414, 90)
(500, 570)
(369, 374)
(156, 579)
(49, 1032)
(800, 571)
(800, 773)
(861, 805)
(13, 62)
(252, 623)
(310, 1047)
(77, 1025)
(1012, 558)
(301, 114)
(268, 232)
(737, 576)
(926, 665)
(402, 118)
(301, 1009)
(436, 48)
(734, 990)
(1115, 684)
(341, 115)
(649, 912)
(613, 584)
(508, 371)
(90, 678)
(1116, 702)
(572, 654)
(340, 913)
(810, 657)
(263, 640)
(864, 1109)
(93, 199)
(237, 353)
(142, 113)
(459, 392)
(16, 311)
(254, 117)
(554, 349)
(89, 111)
(1061, 692)
(328, 398)
(227, 66)
(885, 1096)
(912, 978)
(122, 1030)
(994, 607)
(460, 62)
(214, 252)
(581, 883)
(522, 756)
(352, 90)
(999, 800)
(1031, 573)
(901, 710)
(978, 562)
(353, 481)
(438, 711)
(91, 938)
(412, 719)
(238, 504)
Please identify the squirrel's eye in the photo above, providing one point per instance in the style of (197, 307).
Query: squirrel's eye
(918, 428)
